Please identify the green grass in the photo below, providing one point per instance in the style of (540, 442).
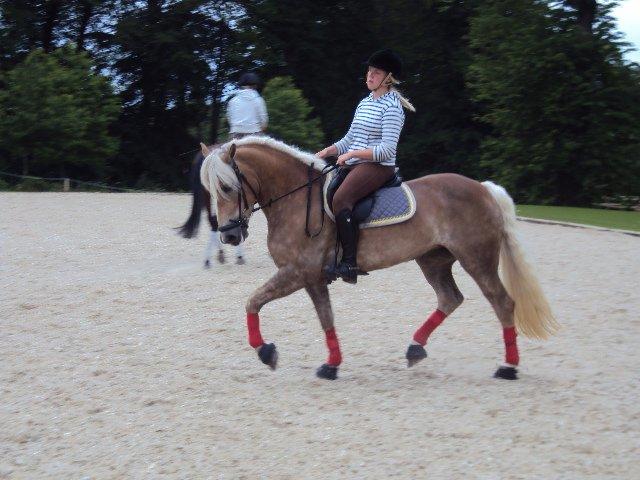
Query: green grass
(588, 216)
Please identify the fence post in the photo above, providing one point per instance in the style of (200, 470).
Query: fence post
(66, 186)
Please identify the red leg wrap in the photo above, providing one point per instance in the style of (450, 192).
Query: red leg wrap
(253, 325)
(511, 347)
(335, 357)
(435, 319)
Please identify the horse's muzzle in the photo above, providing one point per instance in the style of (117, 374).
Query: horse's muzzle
(233, 234)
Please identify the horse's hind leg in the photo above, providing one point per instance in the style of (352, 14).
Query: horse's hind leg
(483, 269)
(436, 267)
(319, 294)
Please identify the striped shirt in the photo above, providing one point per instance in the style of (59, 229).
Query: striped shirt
(376, 124)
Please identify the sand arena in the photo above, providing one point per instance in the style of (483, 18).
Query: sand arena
(123, 358)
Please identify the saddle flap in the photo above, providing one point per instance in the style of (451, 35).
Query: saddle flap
(362, 209)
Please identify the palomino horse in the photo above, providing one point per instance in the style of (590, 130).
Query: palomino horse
(456, 219)
(202, 198)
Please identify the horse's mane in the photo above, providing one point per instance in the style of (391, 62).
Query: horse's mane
(215, 172)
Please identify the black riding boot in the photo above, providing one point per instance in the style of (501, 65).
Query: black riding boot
(348, 235)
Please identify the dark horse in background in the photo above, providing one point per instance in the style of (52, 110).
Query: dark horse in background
(202, 198)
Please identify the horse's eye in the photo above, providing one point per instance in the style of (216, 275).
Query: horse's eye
(225, 188)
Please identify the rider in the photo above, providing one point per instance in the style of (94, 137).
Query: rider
(246, 111)
(368, 150)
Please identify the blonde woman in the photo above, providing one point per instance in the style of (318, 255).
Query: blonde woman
(368, 150)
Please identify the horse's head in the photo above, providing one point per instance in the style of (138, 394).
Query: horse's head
(231, 191)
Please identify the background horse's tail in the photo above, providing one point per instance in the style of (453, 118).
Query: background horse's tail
(190, 227)
(533, 316)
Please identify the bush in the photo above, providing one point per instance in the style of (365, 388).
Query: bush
(37, 185)
(290, 115)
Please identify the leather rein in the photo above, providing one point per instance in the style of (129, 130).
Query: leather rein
(242, 221)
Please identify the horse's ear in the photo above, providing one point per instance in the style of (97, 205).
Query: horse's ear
(232, 150)
(205, 149)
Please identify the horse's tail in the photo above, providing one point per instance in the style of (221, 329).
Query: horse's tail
(190, 227)
(533, 316)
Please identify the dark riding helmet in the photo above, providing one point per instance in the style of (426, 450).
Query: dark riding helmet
(386, 60)
(249, 79)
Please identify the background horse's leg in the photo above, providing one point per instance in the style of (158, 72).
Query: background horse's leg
(214, 238)
(483, 268)
(283, 283)
(240, 256)
(214, 242)
(436, 267)
(319, 294)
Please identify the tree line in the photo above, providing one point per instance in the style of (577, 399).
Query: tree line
(534, 94)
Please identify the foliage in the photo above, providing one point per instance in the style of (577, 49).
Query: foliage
(563, 108)
(532, 93)
(172, 62)
(289, 115)
(55, 113)
(37, 185)
(316, 45)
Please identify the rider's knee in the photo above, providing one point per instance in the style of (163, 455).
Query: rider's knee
(340, 202)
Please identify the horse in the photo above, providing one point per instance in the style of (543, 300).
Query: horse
(202, 198)
(456, 219)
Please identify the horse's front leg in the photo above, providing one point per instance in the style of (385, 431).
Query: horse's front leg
(283, 283)
(319, 294)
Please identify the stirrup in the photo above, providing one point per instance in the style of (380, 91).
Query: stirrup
(347, 272)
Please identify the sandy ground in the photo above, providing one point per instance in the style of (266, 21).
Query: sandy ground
(123, 358)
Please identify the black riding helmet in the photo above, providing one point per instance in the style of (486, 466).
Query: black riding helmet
(249, 79)
(386, 60)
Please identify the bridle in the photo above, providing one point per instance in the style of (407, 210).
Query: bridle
(242, 221)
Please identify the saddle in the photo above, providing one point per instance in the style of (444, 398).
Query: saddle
(393, 203)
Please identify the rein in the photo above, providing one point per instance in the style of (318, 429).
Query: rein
(243, 222)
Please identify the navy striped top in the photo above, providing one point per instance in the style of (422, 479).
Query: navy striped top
(376, 124)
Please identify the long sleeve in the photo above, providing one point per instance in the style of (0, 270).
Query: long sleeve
(262, 112)
(392, 122)
(343, 144)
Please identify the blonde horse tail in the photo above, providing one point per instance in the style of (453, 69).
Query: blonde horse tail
(533, 316)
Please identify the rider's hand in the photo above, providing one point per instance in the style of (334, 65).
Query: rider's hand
(342, 159)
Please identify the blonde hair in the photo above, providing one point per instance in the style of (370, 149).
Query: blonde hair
(391, 81)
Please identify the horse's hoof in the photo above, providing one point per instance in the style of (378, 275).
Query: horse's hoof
(268, 355)
(207, 263)
(220, 256)
(506, 373)
(415, 353)
(328, 372)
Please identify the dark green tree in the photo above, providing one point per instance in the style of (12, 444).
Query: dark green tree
(171, 60)
(55, 114)
(289, 115)
(562, 106)
(323, 46)
(47, 24)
